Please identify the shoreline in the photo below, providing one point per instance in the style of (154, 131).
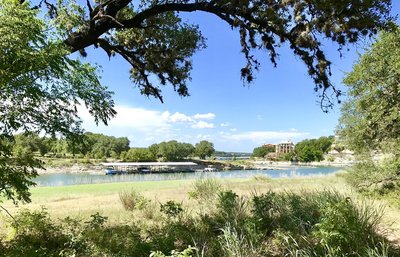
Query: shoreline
(98, 169)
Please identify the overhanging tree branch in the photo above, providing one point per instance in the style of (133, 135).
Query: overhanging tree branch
(262, 24)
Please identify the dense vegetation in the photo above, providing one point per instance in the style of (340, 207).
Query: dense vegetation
(42, 85)
(370, 119)
(165, 151)
(100, 147)
(262, 151)
(308, 150)
(91, 145)
(222, 224)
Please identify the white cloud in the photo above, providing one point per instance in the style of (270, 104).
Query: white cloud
(202, 124)
(180, 117)
(204, 116)
(203, 137)
(233, 129)
(225, 124)
(129, 118)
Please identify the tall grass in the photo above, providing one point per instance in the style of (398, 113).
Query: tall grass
(132, 200)
(205, 189)
(271, 224)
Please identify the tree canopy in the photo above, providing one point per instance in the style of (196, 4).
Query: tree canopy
(142, 32)
(42, 84)
(310, 150)
(204, 149)
(371, 115)
(40, 89)
(370, 118)
(262, 151)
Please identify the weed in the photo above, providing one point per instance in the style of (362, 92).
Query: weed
(205, 189)
(132, 200)
(171, 208)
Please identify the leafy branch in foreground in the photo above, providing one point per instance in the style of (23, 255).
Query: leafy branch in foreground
(40, 91)
(142, 32)
(370, 121)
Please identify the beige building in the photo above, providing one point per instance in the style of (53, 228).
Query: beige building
(284, 147)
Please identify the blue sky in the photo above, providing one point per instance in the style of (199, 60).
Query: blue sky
(279, 105)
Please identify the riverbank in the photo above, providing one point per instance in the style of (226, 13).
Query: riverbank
(84, 200)
(72, 166)
(81, 201)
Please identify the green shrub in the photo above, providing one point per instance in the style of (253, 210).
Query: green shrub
(36, 235)
(271, 224)
(132, 200)
(380, 178)
(205, 189)
(171, 208)
(329, 224)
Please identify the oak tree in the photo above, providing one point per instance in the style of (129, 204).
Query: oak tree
(156, 42)
(371, 115)
(42, 83)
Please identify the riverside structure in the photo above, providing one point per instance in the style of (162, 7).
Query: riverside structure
(113, 168)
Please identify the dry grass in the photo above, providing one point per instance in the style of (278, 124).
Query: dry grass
(83, 200)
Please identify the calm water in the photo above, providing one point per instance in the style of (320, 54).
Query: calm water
(85, 178)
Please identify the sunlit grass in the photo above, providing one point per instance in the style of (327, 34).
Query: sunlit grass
(83, 200)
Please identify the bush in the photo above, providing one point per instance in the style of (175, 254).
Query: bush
(205, 189)
(171, 208)
(381, 177)
(133, 200)
(271, 224)
(36, 235)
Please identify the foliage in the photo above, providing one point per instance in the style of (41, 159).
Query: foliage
(262, 151)
(171, 208)
(133, 200)
(205, 190)
(139, 155)
(41, 89)
(101, 146)
(91, 145)
(38, 235)
(370, 116)
(310, 150)
(142, 33)
(271, 224)
(173, 150)
(381, 177)
(204, 149)
(43, 85)
(290, 156)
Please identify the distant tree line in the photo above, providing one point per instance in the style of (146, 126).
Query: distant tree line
(308, 150)
(91, 145)
(262, 151)
(99, 146)
(169, 151)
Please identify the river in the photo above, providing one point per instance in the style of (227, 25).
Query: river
(62, 179)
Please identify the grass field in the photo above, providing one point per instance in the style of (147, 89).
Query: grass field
(83, 200)
(80, 201)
